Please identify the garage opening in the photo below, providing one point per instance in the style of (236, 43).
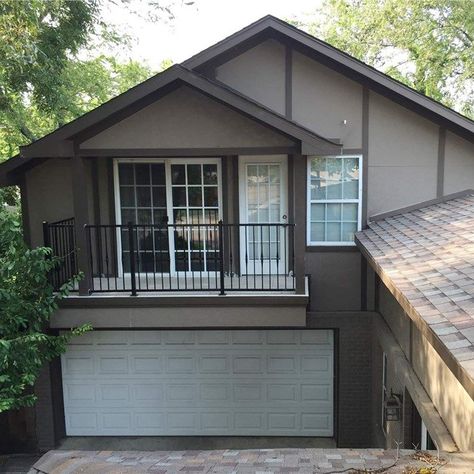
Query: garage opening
(200, 382)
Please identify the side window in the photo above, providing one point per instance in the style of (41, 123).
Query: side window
(334, 199)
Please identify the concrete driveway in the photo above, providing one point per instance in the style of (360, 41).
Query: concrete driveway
(242, 461)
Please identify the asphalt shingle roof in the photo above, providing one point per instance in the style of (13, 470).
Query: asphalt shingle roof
(427, 255)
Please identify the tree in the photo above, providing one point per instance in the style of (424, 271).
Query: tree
(44, 80)
(37, 39)
(80, 87)
(426, 44)
(27, 301)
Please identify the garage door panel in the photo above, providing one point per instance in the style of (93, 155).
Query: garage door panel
(214, 392)
(214, 364)
(316, 392)
(149, 422)
(200, 382)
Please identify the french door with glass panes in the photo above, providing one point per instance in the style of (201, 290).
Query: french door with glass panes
(263, 201)
(175, 206)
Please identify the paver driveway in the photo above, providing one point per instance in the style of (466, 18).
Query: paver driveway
(226, 461)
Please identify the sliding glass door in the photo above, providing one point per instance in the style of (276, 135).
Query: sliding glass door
(175, 207)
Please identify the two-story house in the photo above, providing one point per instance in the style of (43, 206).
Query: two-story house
(214, 210)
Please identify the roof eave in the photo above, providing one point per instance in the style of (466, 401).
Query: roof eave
(64, 141)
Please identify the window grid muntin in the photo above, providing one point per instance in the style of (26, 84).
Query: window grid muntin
(328, 201)
(208, 251)
(159, 248)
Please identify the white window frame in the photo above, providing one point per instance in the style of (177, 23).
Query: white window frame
(310, 201)
(169, 199)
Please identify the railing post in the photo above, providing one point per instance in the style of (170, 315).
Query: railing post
(46, 241)
(221, 256)
(131, 246)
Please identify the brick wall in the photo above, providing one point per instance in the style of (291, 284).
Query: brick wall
(44, 411)
(354, 380)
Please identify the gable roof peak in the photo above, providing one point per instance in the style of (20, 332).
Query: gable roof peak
(334, 58)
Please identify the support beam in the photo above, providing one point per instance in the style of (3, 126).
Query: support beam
(299, 187)
(81, 215)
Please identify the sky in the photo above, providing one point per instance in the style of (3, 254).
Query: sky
(195, 27)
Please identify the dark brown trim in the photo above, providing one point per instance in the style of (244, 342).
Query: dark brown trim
(291, 189)
(341, 62)
(288, 82)
(448, 358)
(441, 159)
(331, 248)
(126, 301)
(12, 170)
(235, 199)
(81, 215)
(299, 187)
(186, 152)
(25, 212)
(421, 205)
(365, 153)
(95, 191)
(363, 283)
(111, 190)
(236, 193)
(352, 151)
(225, 185)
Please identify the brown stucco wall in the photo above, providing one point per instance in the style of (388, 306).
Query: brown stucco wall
(186, 119)
(323, 99)
(176, 316)
(49, 195)
(335, 280)
(459, 164)
(403, 151)
(395, 318)
(263, 65)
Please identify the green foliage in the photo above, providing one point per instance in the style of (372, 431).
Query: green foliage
(37, 39)
(43, 82)
(27, 302)
(427, 44)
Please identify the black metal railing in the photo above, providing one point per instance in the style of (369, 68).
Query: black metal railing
(191, 257)
(60, 237)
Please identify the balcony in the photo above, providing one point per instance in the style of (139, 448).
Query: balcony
(177, 259)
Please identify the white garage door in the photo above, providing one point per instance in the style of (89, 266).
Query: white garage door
(255, 382)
